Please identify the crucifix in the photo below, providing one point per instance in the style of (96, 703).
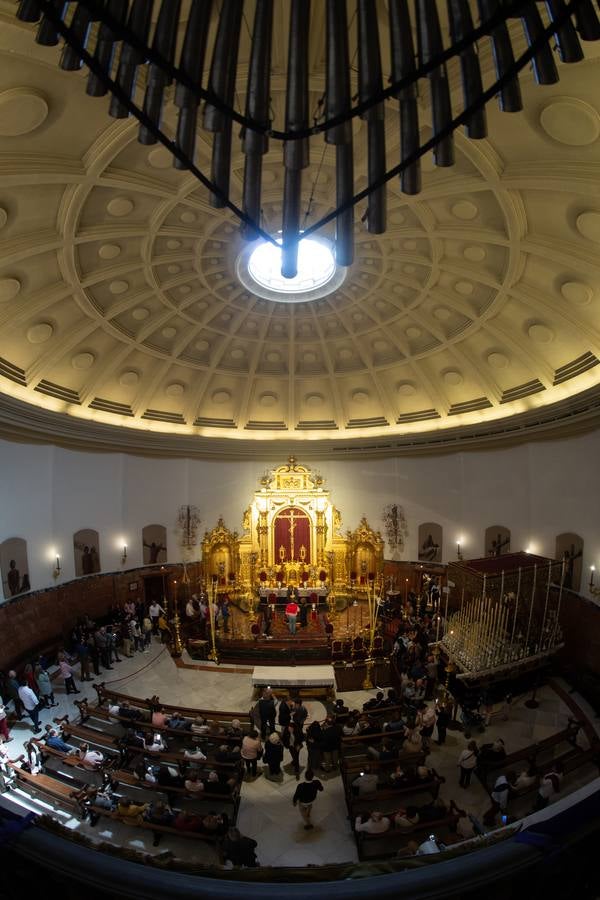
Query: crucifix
(293, 517)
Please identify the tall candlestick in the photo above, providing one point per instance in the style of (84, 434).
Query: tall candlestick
(512, 637)
(546, 603)
(560, 593)
(531, 608)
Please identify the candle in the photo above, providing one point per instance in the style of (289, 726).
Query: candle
(592, 570)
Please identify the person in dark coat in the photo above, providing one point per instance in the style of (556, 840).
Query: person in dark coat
(240, 850)
(285, 713)
(266, 712)
(273, 755)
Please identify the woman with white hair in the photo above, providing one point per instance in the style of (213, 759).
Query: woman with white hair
(273, 755)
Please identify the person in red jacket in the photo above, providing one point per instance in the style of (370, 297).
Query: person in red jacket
(291, 611)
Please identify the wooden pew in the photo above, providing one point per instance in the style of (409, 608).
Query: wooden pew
(386, 799)
(100, 712)
(354, 764)
(105, 694)
(571, 760)
(528, 754)
(377, 846)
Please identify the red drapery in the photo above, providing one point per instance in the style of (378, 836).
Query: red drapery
(292, 531)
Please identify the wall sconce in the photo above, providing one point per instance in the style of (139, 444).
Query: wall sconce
(57, 568)
(124, 555)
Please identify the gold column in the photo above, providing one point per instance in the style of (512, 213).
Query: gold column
(320, 538)
(263, 539)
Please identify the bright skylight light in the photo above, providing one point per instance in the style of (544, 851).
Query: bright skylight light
(259, 269)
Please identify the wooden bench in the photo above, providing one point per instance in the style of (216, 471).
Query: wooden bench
(354, 764)
(99, 712)
(105, 694)
(47, 786)
(571, 760)
(386, 799)
(377, 846)
(230, 798)
(528, 754)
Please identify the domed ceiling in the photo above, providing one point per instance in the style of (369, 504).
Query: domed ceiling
(121, 304)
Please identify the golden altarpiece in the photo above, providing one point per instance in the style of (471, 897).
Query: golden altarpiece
(291, 534)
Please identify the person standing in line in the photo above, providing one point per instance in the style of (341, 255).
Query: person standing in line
(12, 692)
(66, 672)
(251, 748)
(467, 762)
(292, 609)
(443, 720)
(46, 689)
(299, 713)
(31, 705)
(154, 611)
(305, 796)
(292, 738)
(266, 713)
(274, 755)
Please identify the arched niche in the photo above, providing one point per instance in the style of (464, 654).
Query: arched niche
(569, 547)
(14, 566)
(86, 551)
(431, 538)
(497, 540)
(154, 544)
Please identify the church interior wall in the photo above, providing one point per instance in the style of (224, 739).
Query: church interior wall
(537, 490)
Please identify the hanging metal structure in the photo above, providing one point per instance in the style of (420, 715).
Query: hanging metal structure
(128, 43)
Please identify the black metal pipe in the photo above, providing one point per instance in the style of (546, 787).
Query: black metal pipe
(29, 11)
(403, 66)
(47, 35)
(222, 84)
(258, 92)
(370, 82)
(140, 17)
(569, 48)
(586, 21)
(544, 67)
(338, 102)
(429, 40)
(295, 153)
(104, 52)
(70, 60)
(509, 98)
(461, 25)
(165, 37)
(191, 62)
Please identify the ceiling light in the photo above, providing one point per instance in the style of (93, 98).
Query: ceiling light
(259, 270)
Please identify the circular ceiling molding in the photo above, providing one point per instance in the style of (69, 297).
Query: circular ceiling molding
(571, 121)
(173, 269)
(453, 377)
(188, 217)
(540, 333)
(464, 210)
(465, 288)
(273, 356)
(268, 398)
(577, 292)
(413, 332)
(83, 361)
(129, 378)
(497, 360)
(9, 288)
(3, 217)
(588, 225)
(169, 332)
(185, 289)
(225, 317)
(202, 345)
(119, 207)
(381, 305)
(258, 268)
(160, 158)
(406, 388)
(220, 397)
(118, 287)
(410, 245)
(238, 353)
(474, 253)
(409, 269)
(345, 353)
(441, 313)
(396, 217)
(309, 357)
(173, 244)
(109, 251)
(40, 333)
(357, 317)
(360, 396)
(314, 400)
(140, 313)
(381, 346)
(22, 110)
(175, 389)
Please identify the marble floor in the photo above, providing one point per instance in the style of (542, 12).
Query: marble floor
(266, 810)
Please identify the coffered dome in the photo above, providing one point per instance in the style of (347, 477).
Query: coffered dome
(122, 304)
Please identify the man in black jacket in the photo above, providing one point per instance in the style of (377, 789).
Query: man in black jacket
(331, 741)
(305, 796)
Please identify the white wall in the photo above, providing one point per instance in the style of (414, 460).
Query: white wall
(537, 490)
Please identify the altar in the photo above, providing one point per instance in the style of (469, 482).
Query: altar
(281, 594)
(305, 681)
